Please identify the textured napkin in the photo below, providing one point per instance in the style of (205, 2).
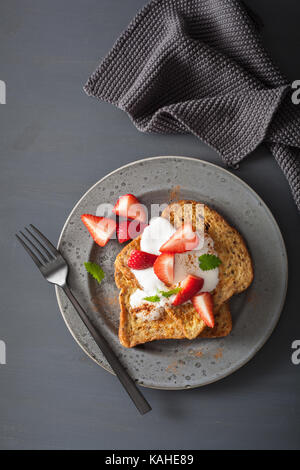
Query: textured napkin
(199, 67)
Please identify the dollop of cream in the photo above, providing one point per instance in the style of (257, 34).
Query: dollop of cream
(154, 236)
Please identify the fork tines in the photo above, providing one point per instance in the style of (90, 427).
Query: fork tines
(41, 253)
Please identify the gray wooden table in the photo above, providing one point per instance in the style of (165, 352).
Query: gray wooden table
(55, 142)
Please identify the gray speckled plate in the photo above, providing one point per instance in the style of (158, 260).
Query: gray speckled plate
(177, 364)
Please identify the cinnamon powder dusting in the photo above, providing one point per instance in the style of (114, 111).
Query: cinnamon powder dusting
(172, 367)
(219, 353)
(113, 300)
(197, 353)
(145, 308)
(174, 194)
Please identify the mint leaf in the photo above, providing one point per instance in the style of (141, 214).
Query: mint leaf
(154, 298)
(207, 262)
(95, 270)
(169, 293)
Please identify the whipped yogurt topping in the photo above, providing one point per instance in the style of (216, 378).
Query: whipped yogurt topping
(188, 263)
(147, 310)
(154, 236)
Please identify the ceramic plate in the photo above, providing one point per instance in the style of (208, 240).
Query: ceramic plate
(177, 364)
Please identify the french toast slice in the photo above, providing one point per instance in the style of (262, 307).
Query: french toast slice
(133, 331)
(236, 270)
(235, 275)
(187, 325)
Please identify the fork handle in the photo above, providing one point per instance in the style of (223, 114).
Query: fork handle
(127, 382)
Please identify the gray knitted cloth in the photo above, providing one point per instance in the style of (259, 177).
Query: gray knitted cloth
(199, 66)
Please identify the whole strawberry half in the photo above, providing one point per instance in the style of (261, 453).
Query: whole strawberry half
(164, 268)
(190, 286)
(100, 228)
(203, 303)
(141, 260)
(129, 229)
(128, 206)
(184, 239)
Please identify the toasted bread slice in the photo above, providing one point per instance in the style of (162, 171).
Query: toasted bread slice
(223, 324)
(185, 317)
(236, 271)
(133, 331)
(180, 322)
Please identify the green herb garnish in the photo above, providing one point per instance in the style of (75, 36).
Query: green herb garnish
(95, 270)
(169, 293)
(207, 262)
(154, 298)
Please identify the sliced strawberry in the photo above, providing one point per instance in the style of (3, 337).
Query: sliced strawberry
(128, 206)
(100, 228)
(203, 303)
(122, 231)
(129, 229)
(141, 260)
(136, 228)
(164, 268)
(190, 286)
(184, 239)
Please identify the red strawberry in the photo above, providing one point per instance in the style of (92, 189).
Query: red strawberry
(122, 231)
(189, 287)
(141, 260)
(136, 228)
(164, 268)
(100, 228)
(184, 239)
(203, 303)
(128, 206)
(129, 229)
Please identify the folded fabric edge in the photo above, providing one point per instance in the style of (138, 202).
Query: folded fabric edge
(90, 87)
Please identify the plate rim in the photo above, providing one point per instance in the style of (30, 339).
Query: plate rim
(239, 365)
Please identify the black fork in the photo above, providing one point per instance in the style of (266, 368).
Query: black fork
(55, 270)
